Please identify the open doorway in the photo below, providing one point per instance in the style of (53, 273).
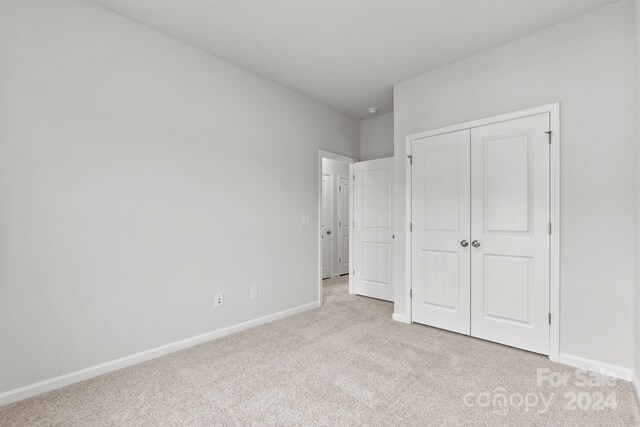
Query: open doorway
(334, 219)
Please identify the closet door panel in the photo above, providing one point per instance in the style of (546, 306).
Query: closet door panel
(510, 233)
(440, 215)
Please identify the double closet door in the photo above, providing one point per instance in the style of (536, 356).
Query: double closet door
(480, 232)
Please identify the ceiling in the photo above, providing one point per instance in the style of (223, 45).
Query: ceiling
(347, 53)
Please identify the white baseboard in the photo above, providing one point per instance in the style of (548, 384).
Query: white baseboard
(636, 385)
(596, 366)
(103, 368)
(400, 318)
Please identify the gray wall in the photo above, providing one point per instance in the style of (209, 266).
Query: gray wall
(138, 177)
(376, 137)
(588, 64)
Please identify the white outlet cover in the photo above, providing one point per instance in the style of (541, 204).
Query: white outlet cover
(253, 292)
(218, 300)
(305, 219)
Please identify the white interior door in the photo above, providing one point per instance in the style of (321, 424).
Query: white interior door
(510, 233)
(343, 225)
(325, 226)
(441, 231)
(372, 228)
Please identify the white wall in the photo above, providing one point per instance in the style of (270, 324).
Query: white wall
(376, 137)
(138, 177)
(588, 64)
(336, 169)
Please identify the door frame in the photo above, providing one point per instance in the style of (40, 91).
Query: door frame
(554, 207)
(322, 154)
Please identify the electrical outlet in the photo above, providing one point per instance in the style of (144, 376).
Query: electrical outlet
(218, 300)
(253, 292)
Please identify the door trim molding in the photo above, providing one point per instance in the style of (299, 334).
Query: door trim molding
(554, 208)
(322, 154)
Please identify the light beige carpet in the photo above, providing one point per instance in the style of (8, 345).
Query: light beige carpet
(346, 363)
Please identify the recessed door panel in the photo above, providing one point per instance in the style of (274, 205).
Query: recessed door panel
(372, 228)
(507, 183)
(375, 262)
(440, 183)
(507, 284)
(376, 269)
(376, 200)
(440, 214)
(440, 279)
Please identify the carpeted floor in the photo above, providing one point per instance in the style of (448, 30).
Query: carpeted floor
(346, 363)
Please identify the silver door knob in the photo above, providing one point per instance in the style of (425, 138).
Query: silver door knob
(328, 231)
(464, 243)
(475, 243)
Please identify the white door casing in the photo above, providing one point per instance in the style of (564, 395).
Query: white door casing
(372, 228)
(325, 225)
(343, 224)
(510, 223)
(441, 231)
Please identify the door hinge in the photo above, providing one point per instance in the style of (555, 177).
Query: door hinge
(354, 272)
(549, 133)
(339, 224)
(339, 259)
(549, 228)
(339, 188)
(410, 293)
(354, 176)
(411, 226)
(410, 156)
(549, 318)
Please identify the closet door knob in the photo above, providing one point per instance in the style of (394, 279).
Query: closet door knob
(475, 243)
(464, 243)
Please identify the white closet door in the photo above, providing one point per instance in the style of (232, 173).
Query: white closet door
(372, 228)
(325, 225)
(343, 225)
(440, 237)
(510, 233)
